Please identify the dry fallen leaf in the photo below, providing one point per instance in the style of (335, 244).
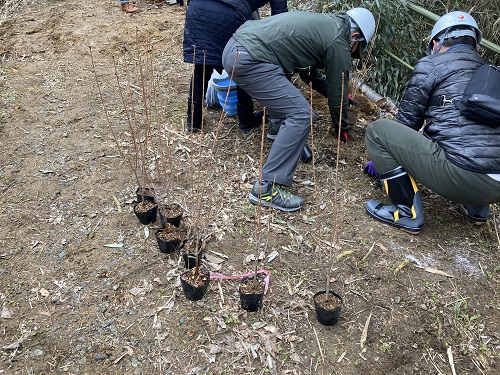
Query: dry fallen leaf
(5, 314)
(251, 257)
(437, 272)
(136, 291)
(14, 345)
(344, 253)
(272, 256)
(271, 329)
(113, 245)
(258, 325)
(213, 259)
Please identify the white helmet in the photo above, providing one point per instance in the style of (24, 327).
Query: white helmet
(446, 27)
(365, 21)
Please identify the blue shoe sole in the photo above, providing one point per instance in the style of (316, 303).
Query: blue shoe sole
(394, 224)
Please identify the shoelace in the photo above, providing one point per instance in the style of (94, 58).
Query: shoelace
(282, 193)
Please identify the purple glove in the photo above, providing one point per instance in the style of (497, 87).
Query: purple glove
(370, 170)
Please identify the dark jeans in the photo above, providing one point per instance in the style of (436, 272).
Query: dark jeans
(197, 87)
(200, 83)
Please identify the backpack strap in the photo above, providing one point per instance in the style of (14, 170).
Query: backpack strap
(440, 100)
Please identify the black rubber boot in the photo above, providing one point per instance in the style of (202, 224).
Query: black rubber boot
(406, 212)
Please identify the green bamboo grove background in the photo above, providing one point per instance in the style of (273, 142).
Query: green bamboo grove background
(401, 34)
(401, 38)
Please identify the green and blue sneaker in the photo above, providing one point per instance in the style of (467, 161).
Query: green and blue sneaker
(272, 195)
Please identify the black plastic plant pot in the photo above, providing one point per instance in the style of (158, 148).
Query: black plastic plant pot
(172, 214)
(327, 308)
(148, 193)
(195, 286)
(251, 301)
(190, 259)
(146, 212)
(168, 239)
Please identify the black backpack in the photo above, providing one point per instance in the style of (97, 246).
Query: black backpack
(481, 99)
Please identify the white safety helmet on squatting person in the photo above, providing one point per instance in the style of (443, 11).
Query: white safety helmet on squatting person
(453, 25)
(362, 19)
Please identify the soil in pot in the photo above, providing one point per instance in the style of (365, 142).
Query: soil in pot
(146, 212)
(328, 307)
(147, 193)
(169, 239)
(195, 283)
(171, 213)
(251, 293)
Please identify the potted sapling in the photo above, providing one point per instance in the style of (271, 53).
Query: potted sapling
(252, 288)
(194, 280)
(145, 206)
(327, 303)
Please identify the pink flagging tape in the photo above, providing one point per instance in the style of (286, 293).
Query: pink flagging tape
(214, 275)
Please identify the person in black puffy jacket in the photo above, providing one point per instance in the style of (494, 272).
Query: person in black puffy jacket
(209, 25)
(456, 157)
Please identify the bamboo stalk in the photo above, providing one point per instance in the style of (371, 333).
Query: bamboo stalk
(433, 17)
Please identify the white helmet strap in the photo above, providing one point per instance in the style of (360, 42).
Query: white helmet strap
(452, 34)
(458, 33)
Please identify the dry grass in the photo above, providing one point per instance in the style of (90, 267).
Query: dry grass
(84, 308)
(9, 8)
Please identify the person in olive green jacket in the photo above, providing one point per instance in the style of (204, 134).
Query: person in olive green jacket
(261, 54)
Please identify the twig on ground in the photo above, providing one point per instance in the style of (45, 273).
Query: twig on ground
(495, 225)
(221, 293)
(369, 252)
(128, 351)
(319, 345)
(364, 335)
(358, 294)
(402, 265)
(450, 359)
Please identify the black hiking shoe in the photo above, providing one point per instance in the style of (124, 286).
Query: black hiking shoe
(249, 126)
(478, 214)
(274, 128)
(273, 195)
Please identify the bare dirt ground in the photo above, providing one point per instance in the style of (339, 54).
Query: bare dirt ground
(73, 303)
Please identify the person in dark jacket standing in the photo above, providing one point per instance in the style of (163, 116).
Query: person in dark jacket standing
(209, 25)
(456, 157)
(261, 54)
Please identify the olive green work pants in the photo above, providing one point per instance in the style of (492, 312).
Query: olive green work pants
(391, 144)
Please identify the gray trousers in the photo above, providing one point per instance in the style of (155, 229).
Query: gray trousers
(391, 144)
(268, 84)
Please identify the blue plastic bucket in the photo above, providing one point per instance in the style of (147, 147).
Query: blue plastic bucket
(222, 85)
